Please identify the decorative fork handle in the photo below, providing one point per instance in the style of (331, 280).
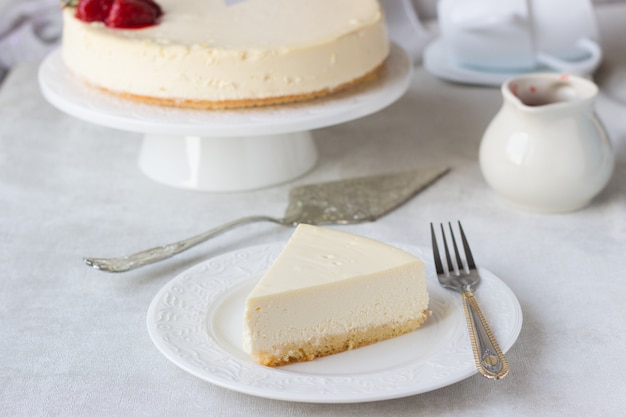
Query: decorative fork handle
(489, 359)
(159, 253)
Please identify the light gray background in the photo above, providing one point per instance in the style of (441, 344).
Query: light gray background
(74, 341)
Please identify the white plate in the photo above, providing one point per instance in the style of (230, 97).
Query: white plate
(438, 63)
(196, 322)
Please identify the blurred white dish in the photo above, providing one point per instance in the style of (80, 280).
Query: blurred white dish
(438, 62)
(520, 35)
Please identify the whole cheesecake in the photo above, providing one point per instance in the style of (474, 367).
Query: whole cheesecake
(208, 54)
(330, 291)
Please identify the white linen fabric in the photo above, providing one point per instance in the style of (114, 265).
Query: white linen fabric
(29, 30)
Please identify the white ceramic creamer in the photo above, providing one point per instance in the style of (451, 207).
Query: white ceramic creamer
(546, 150)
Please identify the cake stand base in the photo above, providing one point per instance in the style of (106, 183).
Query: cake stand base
(227, 164)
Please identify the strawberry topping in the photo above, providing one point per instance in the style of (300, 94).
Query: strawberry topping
(133, 14)
(93, 10)
(125, 14)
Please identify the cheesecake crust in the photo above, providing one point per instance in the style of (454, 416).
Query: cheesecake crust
(336, 343)
(243, 103)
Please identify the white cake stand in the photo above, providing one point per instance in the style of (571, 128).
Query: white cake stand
(230, 150)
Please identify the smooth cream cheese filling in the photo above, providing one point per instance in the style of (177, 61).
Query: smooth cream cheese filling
(327, 282)
(309, 316)
(205, 50)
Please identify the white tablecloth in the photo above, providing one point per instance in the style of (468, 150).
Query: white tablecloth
(73, 341)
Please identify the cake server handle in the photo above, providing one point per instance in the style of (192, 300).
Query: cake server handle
(159, 253)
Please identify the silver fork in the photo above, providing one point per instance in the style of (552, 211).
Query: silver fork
(489, 359)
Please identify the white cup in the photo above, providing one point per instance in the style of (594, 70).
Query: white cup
(519, 35)
(487, 34)
(565, 33)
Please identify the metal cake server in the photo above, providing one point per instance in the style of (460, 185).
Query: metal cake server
(347, 201)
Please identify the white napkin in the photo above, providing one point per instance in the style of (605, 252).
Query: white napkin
(29, 30)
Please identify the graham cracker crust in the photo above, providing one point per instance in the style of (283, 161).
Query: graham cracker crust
(243, 103)
(331, 344)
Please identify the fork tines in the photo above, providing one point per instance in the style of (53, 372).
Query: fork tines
(459, 262)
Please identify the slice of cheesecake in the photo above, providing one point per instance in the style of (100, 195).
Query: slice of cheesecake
(331, 291)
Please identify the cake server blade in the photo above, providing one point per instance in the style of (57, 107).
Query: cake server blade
(347, 201)
(357, 200)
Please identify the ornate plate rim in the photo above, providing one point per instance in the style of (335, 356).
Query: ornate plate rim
(180, 326)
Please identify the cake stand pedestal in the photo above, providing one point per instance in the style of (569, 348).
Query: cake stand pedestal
(227, 163)
(229, 150)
